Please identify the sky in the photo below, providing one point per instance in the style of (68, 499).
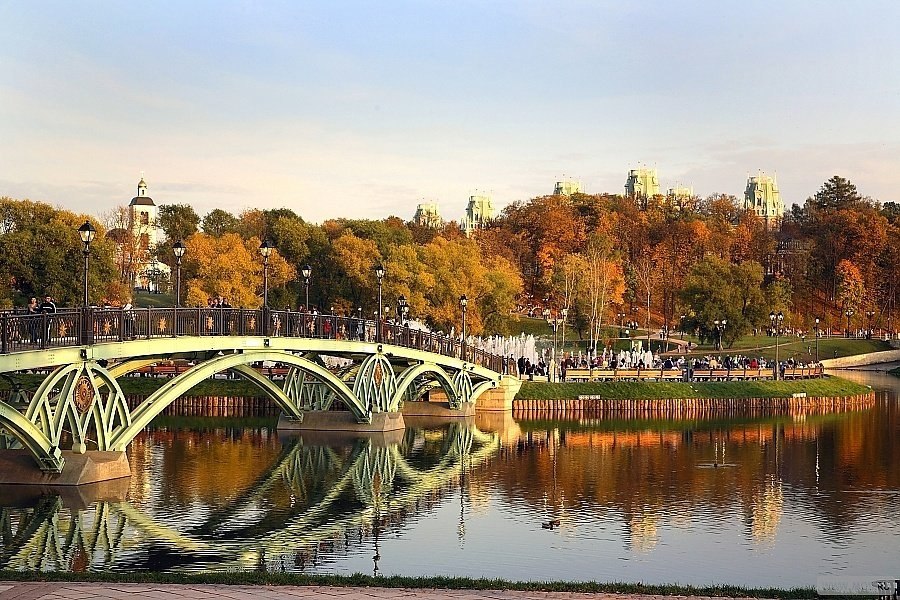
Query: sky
(362, 110)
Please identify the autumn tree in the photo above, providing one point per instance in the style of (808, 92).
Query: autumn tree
(550, 228)
(354, 261)
(851, 290)
(603, 282)
(230, 266)
(456, 269)
(130, 239)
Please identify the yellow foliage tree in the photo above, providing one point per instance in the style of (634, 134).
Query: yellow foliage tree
(406, 275)
(231, 267)
(356, 257)
(457, 268)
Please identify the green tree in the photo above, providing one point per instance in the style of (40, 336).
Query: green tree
(717, 290)
(41, 253)
(218, 222)
(835, 194)
(178, 221)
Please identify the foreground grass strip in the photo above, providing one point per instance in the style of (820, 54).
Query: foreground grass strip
(624, 390)
(396, 581)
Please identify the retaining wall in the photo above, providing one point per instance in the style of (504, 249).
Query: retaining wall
(688, 408)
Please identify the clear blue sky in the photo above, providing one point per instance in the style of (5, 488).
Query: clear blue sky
(363, 109)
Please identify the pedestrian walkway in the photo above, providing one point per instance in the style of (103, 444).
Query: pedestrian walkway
(134, 591)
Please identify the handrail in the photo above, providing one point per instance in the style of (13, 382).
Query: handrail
(85, 327)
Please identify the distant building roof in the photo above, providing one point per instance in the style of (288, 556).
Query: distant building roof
(142, 201)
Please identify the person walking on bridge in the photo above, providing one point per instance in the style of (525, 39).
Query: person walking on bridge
(33, 310)
(48, 307)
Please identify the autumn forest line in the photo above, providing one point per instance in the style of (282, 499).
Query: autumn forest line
(604, 258)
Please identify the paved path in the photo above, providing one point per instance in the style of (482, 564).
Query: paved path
(134, 591)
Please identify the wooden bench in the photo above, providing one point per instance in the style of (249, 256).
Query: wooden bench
(162, 370)
(624, 374)
(578, 375)
(731, 374)
(802, 373)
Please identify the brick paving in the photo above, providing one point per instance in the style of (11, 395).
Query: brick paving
(135, 591)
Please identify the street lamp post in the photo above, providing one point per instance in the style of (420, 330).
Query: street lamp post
(178, 249)
(777, 320)
(87, 233)
(553, 322)
(565, 315)
(817, 339)
(870, 314)
(848, 313)
(379, 275)
(402, 308)
(720, 328)
(682, 325)
(716, 325)
(621, 323)
(265, 249)
(306, 271)
(463, 302)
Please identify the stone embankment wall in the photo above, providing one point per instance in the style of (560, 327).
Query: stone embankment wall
(215, 406)
(688, 408)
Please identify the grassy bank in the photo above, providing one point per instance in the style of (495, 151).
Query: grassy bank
(803, 349)
(446, 583)
(828, 386)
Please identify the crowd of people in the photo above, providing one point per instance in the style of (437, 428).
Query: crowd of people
(637, 358)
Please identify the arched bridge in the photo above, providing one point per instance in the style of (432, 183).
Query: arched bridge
(84, 353)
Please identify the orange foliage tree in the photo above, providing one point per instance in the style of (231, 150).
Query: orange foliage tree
(231, 267)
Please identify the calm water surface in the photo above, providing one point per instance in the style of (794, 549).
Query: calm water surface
(759, 500)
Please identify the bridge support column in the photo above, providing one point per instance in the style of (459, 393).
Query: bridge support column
(17, 467)
(501, 397)
(331, 420)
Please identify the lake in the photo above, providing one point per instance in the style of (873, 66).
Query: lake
(759, 500)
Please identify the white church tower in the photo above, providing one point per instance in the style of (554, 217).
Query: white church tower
(142, 220)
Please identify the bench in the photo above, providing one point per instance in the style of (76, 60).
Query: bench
(162, 370)
(802, 373)
(731, 374)
(624, 374)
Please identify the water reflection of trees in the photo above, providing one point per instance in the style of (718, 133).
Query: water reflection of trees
(822, 462)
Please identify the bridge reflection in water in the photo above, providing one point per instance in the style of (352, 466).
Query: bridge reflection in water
(321, 491)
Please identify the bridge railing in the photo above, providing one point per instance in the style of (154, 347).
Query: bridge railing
(77, 327)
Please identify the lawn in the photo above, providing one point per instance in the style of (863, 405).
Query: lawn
(827, 386)
(804, 350)
(151, 300)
